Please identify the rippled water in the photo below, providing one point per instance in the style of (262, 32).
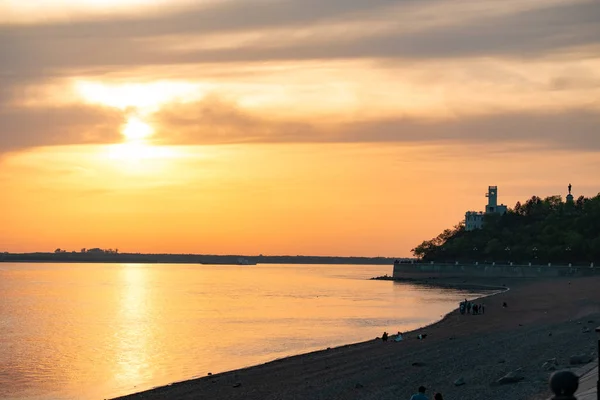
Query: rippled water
(93, 331)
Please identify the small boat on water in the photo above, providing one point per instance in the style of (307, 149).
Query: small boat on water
(243, 261)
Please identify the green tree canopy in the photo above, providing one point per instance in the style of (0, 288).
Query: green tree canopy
(539, 231)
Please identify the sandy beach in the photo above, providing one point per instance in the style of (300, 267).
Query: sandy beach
(544, 320)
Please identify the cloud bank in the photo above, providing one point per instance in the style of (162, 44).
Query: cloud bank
(394, 34)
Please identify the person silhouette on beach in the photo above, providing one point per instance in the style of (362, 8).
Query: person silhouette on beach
(420, 395)
(438, 396)
(384, 337)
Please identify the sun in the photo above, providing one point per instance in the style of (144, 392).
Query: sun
(136, 130)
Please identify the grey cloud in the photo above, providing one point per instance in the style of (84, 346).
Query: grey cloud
(567, 129)
(533, 33)
(219, 17)
(536, 32)
(575, 78)
(215, 121)
(29, 127)
(212, 121)
(29, 53)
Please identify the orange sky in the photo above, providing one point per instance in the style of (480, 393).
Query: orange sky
(333, 128)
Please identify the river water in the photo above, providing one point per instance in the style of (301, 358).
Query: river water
(95, 331)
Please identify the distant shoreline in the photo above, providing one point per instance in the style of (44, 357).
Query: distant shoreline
(206, 259)
(450, 283)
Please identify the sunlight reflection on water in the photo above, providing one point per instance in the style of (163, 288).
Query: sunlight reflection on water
(71, 331)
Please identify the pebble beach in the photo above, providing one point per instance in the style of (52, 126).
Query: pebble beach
(547, 325)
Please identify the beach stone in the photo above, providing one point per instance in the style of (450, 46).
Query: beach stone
(237, 385)
(501, 361)
(549, 366)
(460, 381)
(591, 321)
(512, 377)
(358, 385)
(418, 364)
(580, 359)
(585, 330)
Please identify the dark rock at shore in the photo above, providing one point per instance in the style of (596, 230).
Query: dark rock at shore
(460, 381)
(418, 364)
(512, 377)
(550, 365)
(359, 385)
(580, 359)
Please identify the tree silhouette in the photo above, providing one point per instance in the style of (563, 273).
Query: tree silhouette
(547, 230)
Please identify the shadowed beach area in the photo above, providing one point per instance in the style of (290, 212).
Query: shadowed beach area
(544, 320)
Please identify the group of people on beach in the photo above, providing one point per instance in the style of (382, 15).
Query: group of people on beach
(421, 395)
(398, 338)
(471, 308)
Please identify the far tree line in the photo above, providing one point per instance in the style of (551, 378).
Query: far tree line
(89, 251)
(539, 231)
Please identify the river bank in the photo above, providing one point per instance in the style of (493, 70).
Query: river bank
(543, 320)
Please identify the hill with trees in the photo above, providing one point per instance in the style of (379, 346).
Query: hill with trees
(540, 231)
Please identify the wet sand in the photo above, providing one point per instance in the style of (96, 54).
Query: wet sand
(544, 320)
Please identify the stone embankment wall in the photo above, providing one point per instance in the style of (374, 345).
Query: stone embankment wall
(420, 270)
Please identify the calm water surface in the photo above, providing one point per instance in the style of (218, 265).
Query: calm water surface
(94, 331)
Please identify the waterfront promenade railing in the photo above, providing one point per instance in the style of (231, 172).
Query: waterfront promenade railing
(501, 263)
(492, 268)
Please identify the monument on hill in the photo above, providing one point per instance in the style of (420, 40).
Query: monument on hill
(570, 196)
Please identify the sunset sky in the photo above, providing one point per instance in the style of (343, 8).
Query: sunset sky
(321, 127)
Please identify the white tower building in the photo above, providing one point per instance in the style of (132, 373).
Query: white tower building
(474, 219)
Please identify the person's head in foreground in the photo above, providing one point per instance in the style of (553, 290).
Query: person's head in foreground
(420, 395)
(438, 396)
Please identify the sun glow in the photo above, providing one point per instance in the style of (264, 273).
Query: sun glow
(136, 130)
(136, 152)
(145, 98)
